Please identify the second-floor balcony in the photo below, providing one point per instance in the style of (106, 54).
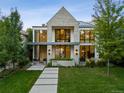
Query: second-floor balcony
(64, 36)
(59, 35)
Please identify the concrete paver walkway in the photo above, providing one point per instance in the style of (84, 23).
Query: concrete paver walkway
(47, 82)
(37, 66)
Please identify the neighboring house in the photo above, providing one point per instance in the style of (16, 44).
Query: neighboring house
(64, 38)
(24, 36)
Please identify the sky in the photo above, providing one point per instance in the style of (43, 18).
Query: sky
(38, 12)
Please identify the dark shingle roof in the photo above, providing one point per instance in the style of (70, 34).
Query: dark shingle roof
(85, 24)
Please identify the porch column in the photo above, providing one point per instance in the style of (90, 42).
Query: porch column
(33, 35)
(33, 40)
(49, 39)
(76, 47)
(72, 35)
(76, 54)
(72, 51)
(49, 53)
(37, 40)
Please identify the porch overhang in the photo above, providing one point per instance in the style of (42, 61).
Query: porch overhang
(53, 43)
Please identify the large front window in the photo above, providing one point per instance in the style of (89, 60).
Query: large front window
(62, 35)
(86, 52)
(62, 51)
(86, 36)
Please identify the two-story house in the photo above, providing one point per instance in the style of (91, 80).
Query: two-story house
(64, 38)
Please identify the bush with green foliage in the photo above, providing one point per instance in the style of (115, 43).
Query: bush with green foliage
(87, 62)
(49, 64)
(23, 62)
(90, 62)
(10, 38)
(101, 63)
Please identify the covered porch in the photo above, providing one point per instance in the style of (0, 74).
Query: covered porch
(57, 53)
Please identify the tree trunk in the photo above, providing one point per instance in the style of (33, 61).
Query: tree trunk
(108, 68)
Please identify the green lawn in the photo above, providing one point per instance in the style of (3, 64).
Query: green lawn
(91, 80)
(19, 82)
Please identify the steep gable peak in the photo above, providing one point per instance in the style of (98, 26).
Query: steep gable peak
(62, 14)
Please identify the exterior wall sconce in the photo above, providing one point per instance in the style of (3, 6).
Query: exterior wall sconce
(76, 52)
(48, 51)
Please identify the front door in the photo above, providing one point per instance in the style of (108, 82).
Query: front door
(43, 53)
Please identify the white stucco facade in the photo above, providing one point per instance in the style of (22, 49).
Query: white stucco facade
(63, 20)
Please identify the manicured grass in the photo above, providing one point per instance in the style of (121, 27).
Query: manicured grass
(19, 82)
(91, 80)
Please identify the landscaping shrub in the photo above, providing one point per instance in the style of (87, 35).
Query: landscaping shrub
(100, 63)
(90, 62)
(87, 62)
(49, 64)
(23, 62)
(3, 65)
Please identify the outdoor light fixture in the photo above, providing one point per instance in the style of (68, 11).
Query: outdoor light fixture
(82, 32)
(76, 52)
(49, 51)
(41, 31)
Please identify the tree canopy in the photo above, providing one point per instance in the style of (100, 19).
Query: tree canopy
(109, 28)
(10, 39)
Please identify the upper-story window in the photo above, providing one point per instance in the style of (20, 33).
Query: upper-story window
(40, 36)
(86, 36)
(43, 36)
(62, 35)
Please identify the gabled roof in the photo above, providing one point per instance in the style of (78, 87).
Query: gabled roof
(62, 13)
(85, 24)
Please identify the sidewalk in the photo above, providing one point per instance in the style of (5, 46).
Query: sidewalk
(47, 82)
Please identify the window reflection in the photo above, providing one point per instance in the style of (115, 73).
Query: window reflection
(62, 35)
(62, 51)
(86, 36)
(43, 36)
(86, 52)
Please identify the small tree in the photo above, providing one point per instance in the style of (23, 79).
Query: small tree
(108, 19)
(15, 28)
(11, 40)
